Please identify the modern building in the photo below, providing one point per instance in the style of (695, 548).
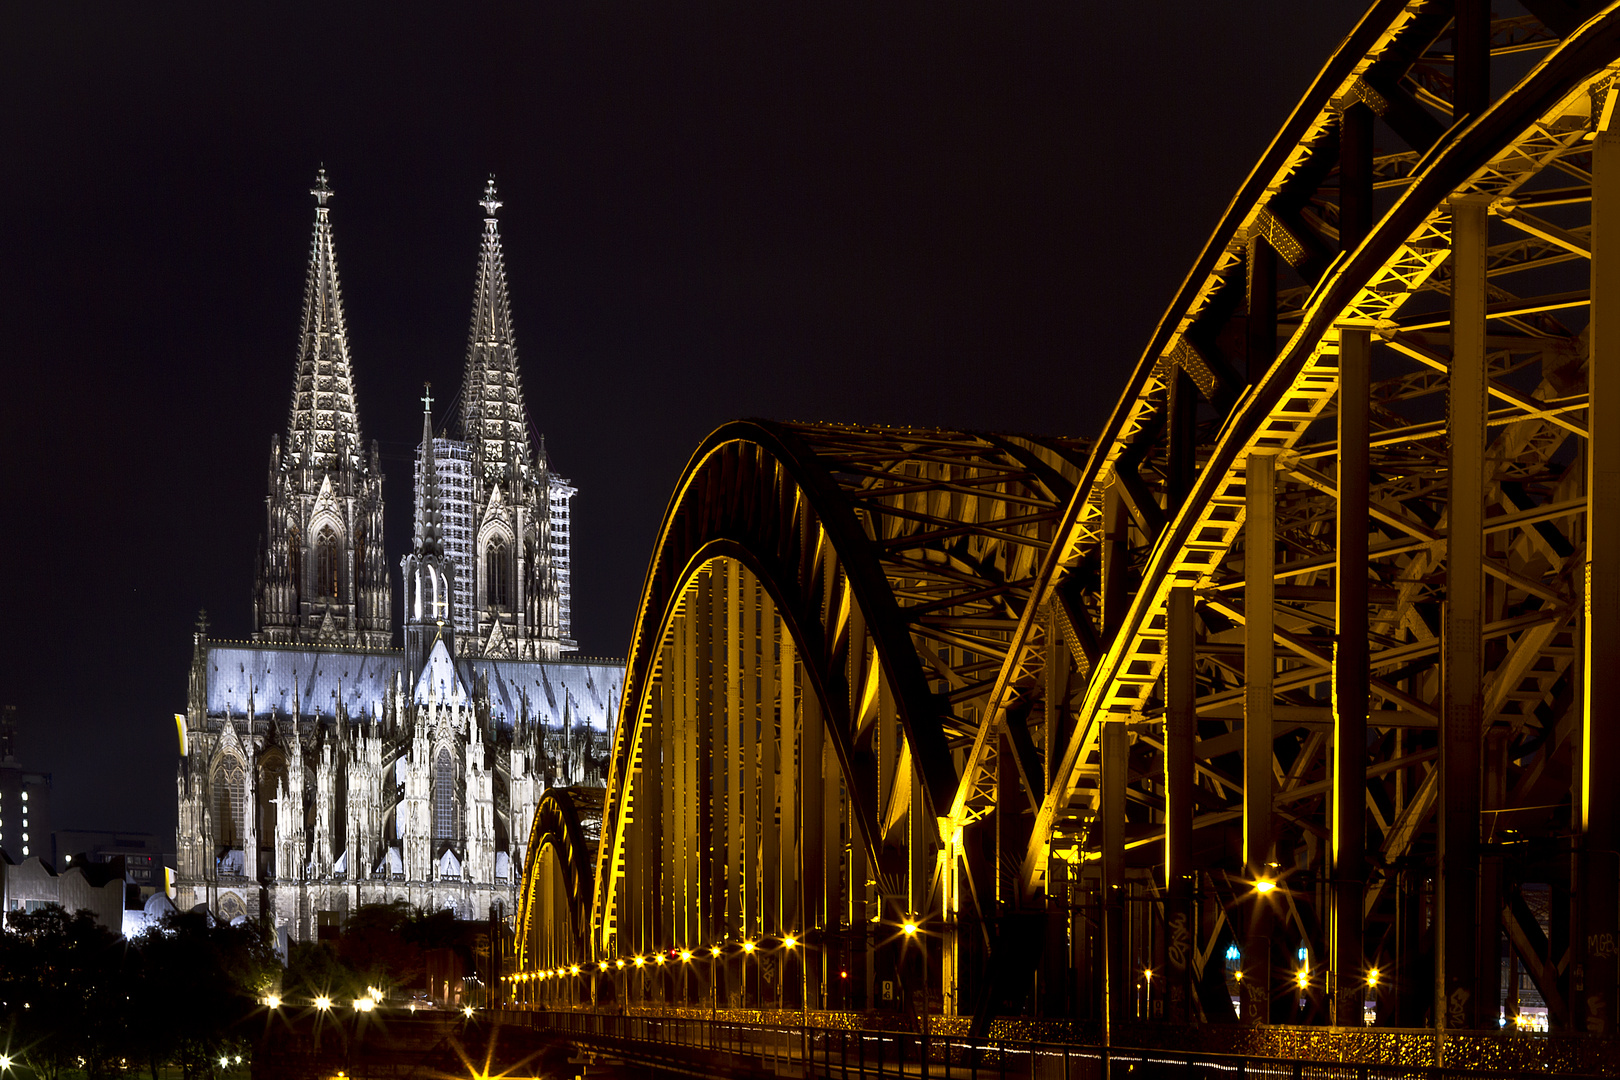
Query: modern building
(25, 799)
(143, 854)
(102, 889)
(323, 768)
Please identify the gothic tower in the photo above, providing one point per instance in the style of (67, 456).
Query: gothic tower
(323, 575)
(430, 577)
(515, 596)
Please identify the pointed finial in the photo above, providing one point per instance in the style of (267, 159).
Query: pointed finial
(489, 202)
(427, 397)
(202, 621)
(321, 190)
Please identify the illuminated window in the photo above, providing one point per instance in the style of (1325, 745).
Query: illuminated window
(497, 577)
(328, 566)
(230, 789)
(444, 797)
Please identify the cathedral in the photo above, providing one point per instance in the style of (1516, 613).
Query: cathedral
(321, 767)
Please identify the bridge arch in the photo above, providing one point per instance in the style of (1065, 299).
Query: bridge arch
(809, 660)
(556, 899)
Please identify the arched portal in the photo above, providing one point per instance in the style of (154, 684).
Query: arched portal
(822, 616)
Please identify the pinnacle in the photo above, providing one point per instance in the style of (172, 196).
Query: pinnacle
(321, 190)
(430, 532)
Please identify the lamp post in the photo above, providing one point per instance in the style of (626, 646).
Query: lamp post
(748, 950)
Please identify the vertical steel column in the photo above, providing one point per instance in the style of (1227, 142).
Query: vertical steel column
(1183, 464)
(1056, 673)
(1462, 662)
(1349, 815)
(1259, 667)
(1350, 651)
(1180, 729)
(1116, 595)
(1600, 746)
(669, 790)
(1116, 751)
(1261, 330)
(1471, 45)
(1489, 947)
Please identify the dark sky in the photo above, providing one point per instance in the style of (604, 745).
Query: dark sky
(949, 213)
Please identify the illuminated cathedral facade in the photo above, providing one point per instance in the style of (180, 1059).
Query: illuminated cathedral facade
(321, 767)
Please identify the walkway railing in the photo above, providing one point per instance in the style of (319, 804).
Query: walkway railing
(789, 1050)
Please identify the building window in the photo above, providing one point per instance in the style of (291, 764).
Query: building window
(497, 577)
(328, 566)
(295, 559)
(229, 799)
(444, 797)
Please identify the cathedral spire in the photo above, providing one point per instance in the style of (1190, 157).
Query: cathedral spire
(493, 418)
(430, 523)
(322, 576)
(323, 428)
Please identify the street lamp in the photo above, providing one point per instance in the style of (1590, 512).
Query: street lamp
(323, 1003)
(748, 950)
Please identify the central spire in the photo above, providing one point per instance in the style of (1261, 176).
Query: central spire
(322, 422)
(493, 418)
(430, 524)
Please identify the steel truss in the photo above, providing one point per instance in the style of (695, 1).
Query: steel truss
(1299, 689)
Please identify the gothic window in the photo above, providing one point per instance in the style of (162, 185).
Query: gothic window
(444, 797)
(295, 558)
(497, 575)
(328, 565)
(360, 556)
(230, 796)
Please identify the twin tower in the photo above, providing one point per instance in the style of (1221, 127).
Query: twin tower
(488, 571)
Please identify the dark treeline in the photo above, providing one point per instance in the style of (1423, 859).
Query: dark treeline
(77, 999)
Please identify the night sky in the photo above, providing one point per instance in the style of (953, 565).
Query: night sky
(951, 213)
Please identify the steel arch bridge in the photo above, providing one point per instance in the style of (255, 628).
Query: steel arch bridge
(1299, 687)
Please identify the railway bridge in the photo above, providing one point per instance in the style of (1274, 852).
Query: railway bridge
(1287, 704)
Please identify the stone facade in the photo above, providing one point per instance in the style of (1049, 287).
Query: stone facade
(321, 768)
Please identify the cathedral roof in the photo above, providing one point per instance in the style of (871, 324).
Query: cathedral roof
(323, 419)
(282, 681)
(300, 681)
(493, 415)
(550, 688)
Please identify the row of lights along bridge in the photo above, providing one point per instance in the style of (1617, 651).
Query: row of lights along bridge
(910, 928)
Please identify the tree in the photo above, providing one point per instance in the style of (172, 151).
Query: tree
(63, 985)
(199, 979)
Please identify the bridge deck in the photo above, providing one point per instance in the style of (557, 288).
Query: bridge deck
(694, 1045)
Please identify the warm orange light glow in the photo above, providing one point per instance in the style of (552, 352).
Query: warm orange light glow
(909, 928)
(686, 954)
(1264, 885)
(748, 946)
(714, 950)
(790, 941)
(641, 961)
